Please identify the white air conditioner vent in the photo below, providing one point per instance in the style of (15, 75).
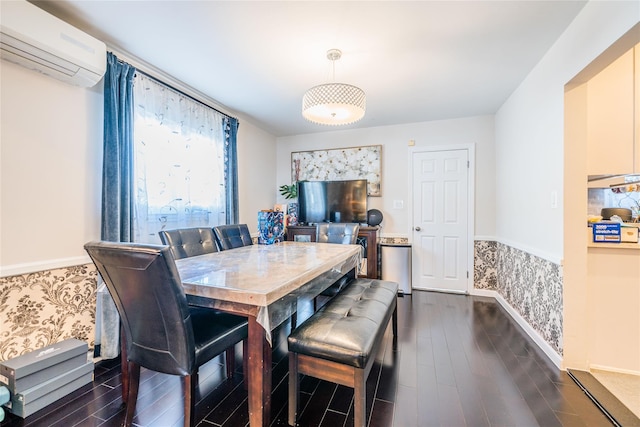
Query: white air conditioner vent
(37, 40)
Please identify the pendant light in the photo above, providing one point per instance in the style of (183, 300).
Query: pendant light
(334, 103)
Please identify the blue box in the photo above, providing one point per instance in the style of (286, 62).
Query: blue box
(606, 232)
(271, 227)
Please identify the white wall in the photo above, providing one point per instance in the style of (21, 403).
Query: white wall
(395, 163)
(51, 170)
(530, 147)
(256, 173)
(51, 157)
(529, 132)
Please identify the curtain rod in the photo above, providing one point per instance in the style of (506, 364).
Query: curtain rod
(175, 84)
(157, 80)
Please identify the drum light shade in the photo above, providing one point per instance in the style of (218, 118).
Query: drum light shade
(334, 103)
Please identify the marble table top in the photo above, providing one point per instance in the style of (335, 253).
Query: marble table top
(259, 275)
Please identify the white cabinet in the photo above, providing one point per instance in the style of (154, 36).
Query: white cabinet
(614, 308)
(610, 119)
(637, 110)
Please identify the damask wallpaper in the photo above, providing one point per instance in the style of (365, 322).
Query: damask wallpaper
(485, 265)
(42, 308)
(531, 285)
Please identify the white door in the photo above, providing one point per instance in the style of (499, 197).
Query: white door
(441, 245)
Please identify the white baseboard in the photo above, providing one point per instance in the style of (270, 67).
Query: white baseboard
(612, 369)
(34, 267)
(483, 293)
(555, 358)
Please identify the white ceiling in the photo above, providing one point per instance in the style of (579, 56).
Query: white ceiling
(417, 60)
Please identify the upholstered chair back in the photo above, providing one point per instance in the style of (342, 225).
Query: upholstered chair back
(186, 242)
(232, 236)
(146, 288)
(337, 232)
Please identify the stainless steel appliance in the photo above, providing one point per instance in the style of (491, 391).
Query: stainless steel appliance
(396, 265)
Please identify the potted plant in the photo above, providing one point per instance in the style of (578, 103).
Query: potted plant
(289, 191)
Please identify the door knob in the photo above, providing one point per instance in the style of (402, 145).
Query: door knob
(417, 228)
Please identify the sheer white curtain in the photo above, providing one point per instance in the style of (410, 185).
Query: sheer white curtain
(178, 162)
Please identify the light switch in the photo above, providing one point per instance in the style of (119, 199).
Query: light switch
(554, 199)
(398, 204)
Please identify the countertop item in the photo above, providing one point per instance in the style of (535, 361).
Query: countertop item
(622, 245)
(623, 213)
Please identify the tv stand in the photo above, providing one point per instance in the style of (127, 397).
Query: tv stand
(367, 238)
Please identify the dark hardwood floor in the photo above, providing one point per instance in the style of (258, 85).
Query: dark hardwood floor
(461, 361)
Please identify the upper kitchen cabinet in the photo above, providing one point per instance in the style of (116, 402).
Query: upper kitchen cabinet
(611, 144)
(636, 163)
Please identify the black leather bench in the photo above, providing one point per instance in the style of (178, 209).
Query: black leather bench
(339, 342)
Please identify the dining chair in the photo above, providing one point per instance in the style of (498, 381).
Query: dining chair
(161, 331)
(187, 242)
(231, 236)
(337, 232)
(341, 233)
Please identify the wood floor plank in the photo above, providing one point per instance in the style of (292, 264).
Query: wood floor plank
(313, 413)
(460, 361)
(389, 378)
(333, 419)
(382, 414)
(472, 408)
(223, 410)
(341, 400)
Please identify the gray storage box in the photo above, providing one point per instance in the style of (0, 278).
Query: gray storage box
(26, 371)
(33, 399)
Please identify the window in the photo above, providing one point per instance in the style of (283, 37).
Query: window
(178, 161)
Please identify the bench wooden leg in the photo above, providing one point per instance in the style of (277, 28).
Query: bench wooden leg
(245, 361)
(230, 361)
(360, 398)
(293, 388)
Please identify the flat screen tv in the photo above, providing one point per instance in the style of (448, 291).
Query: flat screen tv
(332, 201)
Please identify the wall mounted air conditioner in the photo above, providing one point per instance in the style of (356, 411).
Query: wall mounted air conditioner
(37, 40)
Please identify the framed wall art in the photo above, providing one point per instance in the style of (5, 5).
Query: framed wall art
(340, 164)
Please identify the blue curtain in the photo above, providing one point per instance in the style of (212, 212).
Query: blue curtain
(117, 184)
(231, 168)
(117, 181)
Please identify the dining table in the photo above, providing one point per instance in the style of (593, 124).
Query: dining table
(265, 283)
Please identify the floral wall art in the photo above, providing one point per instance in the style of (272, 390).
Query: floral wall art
(340, 164)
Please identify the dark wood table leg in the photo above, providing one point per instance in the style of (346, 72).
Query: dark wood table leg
(259, 375)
